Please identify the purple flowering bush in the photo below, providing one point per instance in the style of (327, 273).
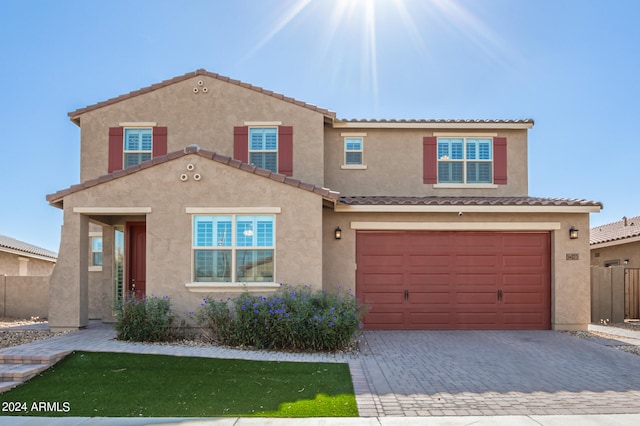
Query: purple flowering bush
(294, 318)
(144, 319)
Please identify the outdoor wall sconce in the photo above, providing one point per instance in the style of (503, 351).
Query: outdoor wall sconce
(337, 233)
(573, 233)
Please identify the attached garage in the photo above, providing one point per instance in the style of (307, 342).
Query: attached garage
(448, 280)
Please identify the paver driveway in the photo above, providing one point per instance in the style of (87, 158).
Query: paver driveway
(435, 373)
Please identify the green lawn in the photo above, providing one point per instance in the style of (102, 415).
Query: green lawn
(97, 384)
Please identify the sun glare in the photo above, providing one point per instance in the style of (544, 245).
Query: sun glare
(349, 31)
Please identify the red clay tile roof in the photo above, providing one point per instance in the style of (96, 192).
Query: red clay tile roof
(28, 249)
(620, 230)
(466, 201)
(327, 194)
(74, 114)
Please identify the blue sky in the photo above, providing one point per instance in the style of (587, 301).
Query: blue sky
(571, 65)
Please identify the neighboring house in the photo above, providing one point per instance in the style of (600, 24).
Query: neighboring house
(615, 272)
(206, 186)
(18, 258)
(616, 243)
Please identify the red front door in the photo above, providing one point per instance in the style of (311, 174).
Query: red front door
(136, 258)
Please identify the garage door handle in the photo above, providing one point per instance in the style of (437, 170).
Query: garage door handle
(406, 295)
(499, 294)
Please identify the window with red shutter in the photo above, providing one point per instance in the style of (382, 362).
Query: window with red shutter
(131, 146)
(268, 148)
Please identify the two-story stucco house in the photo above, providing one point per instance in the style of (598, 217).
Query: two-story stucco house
(202, 185)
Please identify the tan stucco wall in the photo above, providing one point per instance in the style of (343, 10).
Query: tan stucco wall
(205, 119)
(24, 297)
(10, 265)
(570, 285)
(619, 252)
(394, 160)
(169, 227)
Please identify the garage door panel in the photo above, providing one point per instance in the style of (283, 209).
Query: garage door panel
(464, 279)
(476, 260)
(381, 260)
(453, 279)
(383, 298)
(429, 260)
(385, 319)
(523, 261)
(486, 298)
(433, 319)
(428, 279)
(373, 279)
(535, 299)
(430, 298)
(535, 241)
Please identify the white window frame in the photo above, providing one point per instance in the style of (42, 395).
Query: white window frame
(92, 237)
(464, 161)
(233, 248)
(345, 137)
(264, 151)
(125, 151)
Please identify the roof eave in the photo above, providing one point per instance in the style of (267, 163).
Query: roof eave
(344, 208)
(434, 124)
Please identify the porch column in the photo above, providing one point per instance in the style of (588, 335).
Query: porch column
(107, 280)
(68, 288)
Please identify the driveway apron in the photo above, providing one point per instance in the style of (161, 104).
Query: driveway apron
(461, 373)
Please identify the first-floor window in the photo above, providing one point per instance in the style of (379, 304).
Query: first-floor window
(233, 248)
(96, 251)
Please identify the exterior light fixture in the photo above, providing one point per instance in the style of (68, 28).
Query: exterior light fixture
(573, 233)
(337, 233)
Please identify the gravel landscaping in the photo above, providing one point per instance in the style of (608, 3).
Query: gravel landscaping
(14, 337)
(10, 336)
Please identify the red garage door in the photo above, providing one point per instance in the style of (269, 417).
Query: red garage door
(417, 280)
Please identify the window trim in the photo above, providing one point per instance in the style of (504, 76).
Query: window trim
(206, 286)
(345, 166)
(465, 184)
(92, 266)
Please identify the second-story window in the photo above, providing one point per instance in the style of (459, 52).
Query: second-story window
(263, 148)
(353, 151)
(465, 160)
(138, 146)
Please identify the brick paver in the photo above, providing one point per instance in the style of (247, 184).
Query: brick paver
(444, 373)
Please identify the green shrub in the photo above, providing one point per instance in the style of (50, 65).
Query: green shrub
(146, 319)
(294, 318)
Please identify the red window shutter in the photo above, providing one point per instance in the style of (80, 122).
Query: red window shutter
(500, 161)
(116, 146)
(159, 141)
(285, 150)
(430, 159)
(241, 143)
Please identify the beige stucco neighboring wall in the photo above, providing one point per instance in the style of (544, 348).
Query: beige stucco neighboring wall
(24, 297)
(10, 264)
(206, 119)
(298, 227)
(570, 285)
(394, 160)
(617, 252)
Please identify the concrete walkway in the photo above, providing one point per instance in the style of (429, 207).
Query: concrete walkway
(435, 377)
